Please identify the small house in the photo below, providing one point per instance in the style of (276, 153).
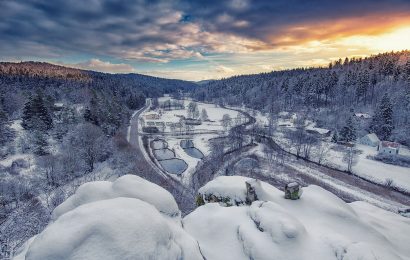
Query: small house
(293, 118)
(386, 147)
(362, 115)
(370, 140)
(152, 116)
(318, 131)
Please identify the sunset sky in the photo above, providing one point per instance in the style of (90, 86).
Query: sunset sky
(197, 40)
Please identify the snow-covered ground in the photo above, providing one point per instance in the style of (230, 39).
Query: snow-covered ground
(370, 169)
(131, 218)
(375, 171)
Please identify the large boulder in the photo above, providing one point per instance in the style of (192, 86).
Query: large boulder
(129, 218)
(130, 186)
(293, 191)
(120, 228)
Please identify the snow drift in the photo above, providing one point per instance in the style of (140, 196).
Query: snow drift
(131, 218)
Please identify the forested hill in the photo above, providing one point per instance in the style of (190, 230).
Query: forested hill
(26, 72)
(327, 95)
(108, 99)
(60, 126)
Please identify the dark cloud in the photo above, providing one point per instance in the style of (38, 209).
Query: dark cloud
(158, 31)
(267, 19)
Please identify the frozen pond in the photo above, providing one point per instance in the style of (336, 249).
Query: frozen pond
(193, 152)
(175, 166)
(186, 144)
(189, 148)
(163, 154)
(166, 157)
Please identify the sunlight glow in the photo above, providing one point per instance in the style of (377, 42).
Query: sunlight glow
(392, 41)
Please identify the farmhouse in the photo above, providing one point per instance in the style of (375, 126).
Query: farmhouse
(386, 147)
(370, 140)
(318, 131)
(152, 116)
(362, 115)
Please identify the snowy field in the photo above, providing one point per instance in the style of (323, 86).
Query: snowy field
(137, 225)
(375, 171)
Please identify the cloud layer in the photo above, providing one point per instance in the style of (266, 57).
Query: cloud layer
(160, 32)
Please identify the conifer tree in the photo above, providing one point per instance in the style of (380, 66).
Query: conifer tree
(6, 134)
(348, 132)
(382, 123)
(36, 115)
(335, 138)
(40, 144)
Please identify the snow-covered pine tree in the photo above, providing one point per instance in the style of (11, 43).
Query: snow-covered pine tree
(362, 85)
(36, 115)
(382, 123)
(90, 117)
(6, 134)
(40, 144)
(348, 132)
(335, 138)
(204, 115)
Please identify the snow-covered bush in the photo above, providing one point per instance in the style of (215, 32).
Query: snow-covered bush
(397, 159)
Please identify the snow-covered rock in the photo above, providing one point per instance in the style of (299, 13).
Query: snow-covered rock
(231, 190)
(109, 220)
(129, 218)
(130, 186)
(317, 226)
(120, 228)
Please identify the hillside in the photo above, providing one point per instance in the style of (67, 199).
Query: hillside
(328, 96)
(59, 127)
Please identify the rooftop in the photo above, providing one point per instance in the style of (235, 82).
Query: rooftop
(390, 144)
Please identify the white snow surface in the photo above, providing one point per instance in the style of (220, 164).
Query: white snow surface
(129, 218)
(130, 186)
(120, 228)
(318, 226)
(373, 170)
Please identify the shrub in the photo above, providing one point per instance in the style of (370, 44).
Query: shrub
(388, 183)
(399, 160)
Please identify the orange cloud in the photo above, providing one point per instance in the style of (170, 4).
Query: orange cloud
(369, 25)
